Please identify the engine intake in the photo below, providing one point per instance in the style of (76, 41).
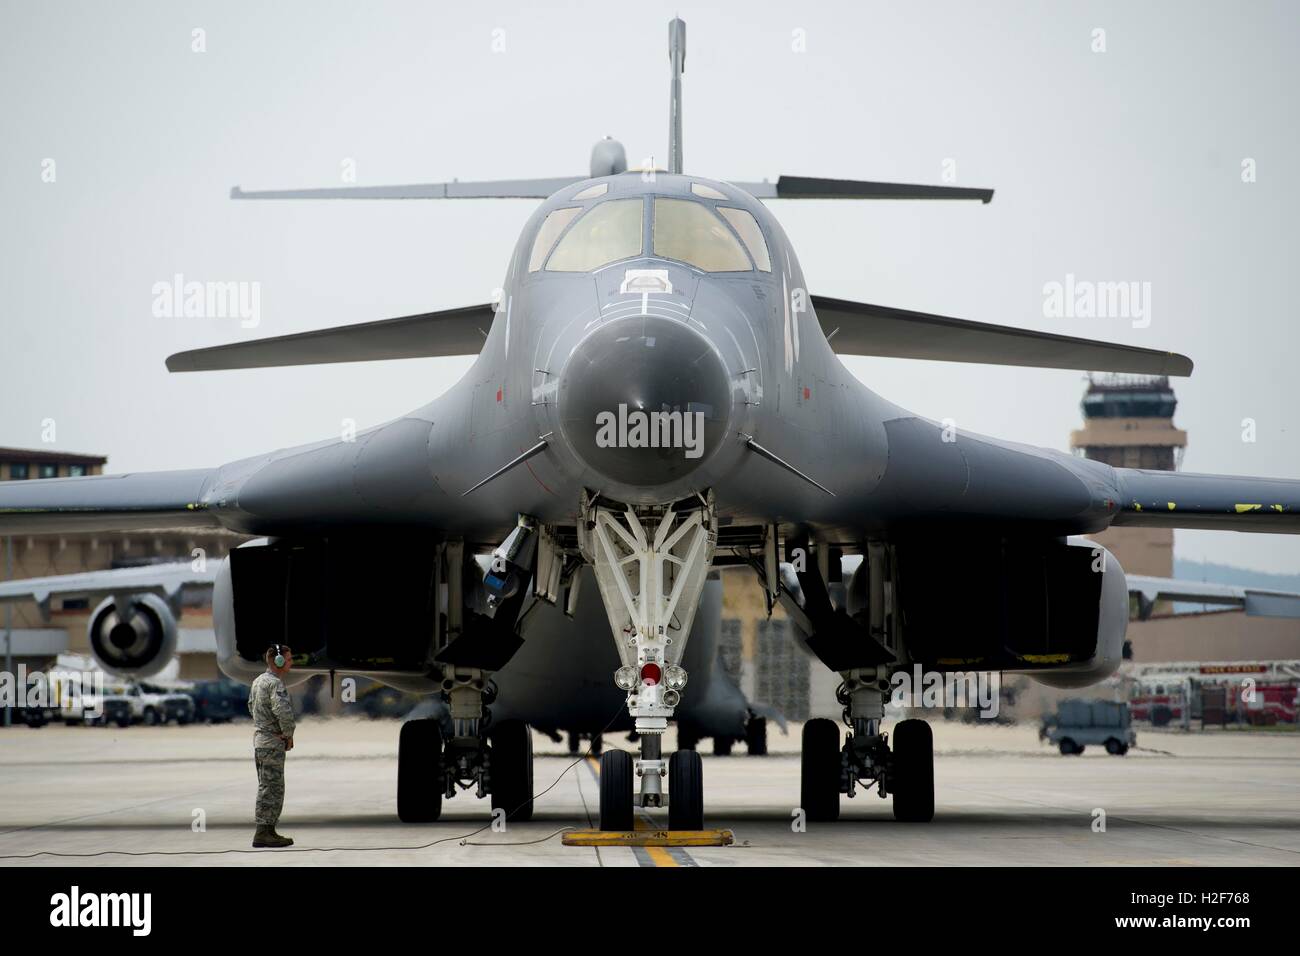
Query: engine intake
(138, 641)
(363, 608)
(1055, 610)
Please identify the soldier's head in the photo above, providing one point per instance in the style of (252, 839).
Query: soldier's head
(279, 658)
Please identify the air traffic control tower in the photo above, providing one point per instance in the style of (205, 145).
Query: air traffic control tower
(1128, 422)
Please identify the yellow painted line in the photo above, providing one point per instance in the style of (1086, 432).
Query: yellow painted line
(1242, 509)
(1046, 658)
(651, 839)
(660, 857)
(1171, 506)
(657, 855)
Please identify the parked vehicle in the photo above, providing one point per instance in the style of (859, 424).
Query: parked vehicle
(115, 708)
(149, 704)
(1078, 723)
(32, 716)
(219, 701)
(174, 705)
(1259, 693)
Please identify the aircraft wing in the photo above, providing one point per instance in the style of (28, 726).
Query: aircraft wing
(815, 187)
(449, 332)
(857, 328)
(1256, 602)
(165, 580)
(1175, 499)
(494, 189)
(160, 499)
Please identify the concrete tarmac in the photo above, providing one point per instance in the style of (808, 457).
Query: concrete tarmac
(184, 796)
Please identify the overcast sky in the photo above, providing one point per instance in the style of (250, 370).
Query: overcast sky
(1115, 166)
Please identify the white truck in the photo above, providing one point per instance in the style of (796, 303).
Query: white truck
(145, 704)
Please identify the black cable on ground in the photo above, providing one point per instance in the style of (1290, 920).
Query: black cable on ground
(463, 838)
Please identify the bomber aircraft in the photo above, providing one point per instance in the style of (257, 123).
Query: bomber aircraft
(658, 393)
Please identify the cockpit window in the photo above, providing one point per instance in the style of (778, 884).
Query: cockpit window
(548, 233)
(591, 192)
(706, 192)
(747, 228)
(608, 232)
(689, 231)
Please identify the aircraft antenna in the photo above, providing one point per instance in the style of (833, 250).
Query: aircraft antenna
(677, 54)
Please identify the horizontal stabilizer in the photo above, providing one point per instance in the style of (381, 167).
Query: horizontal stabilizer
(856, 328)
(147, 500)
(1176, 499)
(429, 334)
(1256, 602)
(813, 187)
(495, 189)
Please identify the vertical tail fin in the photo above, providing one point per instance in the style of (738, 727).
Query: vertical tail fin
(677, 54)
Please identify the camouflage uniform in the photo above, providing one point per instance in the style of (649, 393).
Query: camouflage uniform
(273, 724)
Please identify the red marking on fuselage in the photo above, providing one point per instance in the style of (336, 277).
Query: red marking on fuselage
(529, 466)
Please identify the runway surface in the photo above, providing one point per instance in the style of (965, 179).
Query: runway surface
(184, 796)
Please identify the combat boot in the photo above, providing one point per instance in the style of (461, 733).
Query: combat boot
(267, 837)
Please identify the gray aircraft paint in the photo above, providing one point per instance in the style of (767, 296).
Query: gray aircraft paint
(791, 438)
(886, 467)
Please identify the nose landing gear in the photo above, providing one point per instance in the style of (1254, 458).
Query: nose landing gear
(650, 566)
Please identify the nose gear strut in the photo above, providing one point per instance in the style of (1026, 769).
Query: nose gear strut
(650, 564)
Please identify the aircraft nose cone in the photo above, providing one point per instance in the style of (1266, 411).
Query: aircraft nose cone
(644, 400)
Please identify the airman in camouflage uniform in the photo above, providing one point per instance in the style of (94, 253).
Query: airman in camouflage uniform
(273, 726)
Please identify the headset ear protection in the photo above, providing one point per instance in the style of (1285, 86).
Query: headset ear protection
(279, 656)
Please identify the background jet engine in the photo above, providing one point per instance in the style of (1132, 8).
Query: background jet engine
(135, 642)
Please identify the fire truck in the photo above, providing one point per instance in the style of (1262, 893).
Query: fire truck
(1260, 693)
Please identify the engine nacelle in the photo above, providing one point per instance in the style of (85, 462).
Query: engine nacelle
(1054, 610)
(136, 643)
(1112, 623)
(240, 667)
(363, 609)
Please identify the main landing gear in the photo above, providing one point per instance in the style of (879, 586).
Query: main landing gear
(829, 769)
(650, 564)
(495, 760)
